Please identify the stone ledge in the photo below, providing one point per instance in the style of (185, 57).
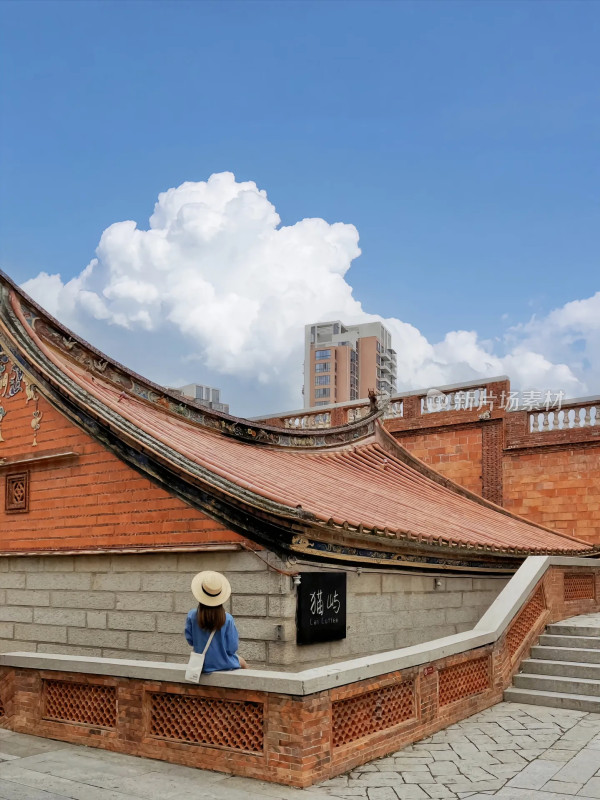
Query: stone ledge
(488, 630)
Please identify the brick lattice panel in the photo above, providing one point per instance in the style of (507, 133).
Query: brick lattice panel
(463, 680)
(372, 712)
(528, 616)
(207, 720)
(86, 704)
(17, 492)
(2, 711)
(580, 586)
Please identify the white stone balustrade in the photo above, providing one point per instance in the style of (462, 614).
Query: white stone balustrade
(394, 409)
(570, 417)
(309, 421)
(460, 400)
(354, 414)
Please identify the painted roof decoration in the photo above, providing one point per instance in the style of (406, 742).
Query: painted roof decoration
(350, 494)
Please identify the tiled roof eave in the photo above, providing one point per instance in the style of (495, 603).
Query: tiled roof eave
(437, 544)
(62, 386)
(259, 433)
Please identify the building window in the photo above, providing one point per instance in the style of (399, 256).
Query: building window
(322, 392)
(322, 354)
(322, 403)
(321, 380)
(17, 492)
(324, 367)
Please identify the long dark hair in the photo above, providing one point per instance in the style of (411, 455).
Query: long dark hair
(211, 618)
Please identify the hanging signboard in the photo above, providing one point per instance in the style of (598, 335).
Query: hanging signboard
(321, 607)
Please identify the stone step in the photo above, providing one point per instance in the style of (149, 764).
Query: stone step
(566, 669)
(558, 684)
(564, 629)
(573, 654)
(575, 702)
(587, 642)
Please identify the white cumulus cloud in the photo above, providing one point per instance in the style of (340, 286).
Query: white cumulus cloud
(216, 290)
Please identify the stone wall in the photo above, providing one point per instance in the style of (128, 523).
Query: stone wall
(134, 606)
(388, 610)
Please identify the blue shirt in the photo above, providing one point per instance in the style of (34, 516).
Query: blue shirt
(222, 653)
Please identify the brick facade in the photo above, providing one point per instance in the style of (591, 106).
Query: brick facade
(455, 452)
(126, 510)
(290, 739)
(551, 476)
(556, 486)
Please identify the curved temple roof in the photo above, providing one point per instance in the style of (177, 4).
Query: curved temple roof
(345, 494)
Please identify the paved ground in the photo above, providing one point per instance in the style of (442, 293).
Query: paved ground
(583, 621)
(510, 751)
(32, 768)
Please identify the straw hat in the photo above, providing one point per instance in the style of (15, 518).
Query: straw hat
(211, 588)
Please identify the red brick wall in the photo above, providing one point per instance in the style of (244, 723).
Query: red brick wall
(93, 500)
(454, 452)
(557, 487)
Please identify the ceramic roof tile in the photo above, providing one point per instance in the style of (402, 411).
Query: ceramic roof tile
(363, 485)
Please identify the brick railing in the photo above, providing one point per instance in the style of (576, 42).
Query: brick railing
(471, 396)
(471, 402)
(295, 728)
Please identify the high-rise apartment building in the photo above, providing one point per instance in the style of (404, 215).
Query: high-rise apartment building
(342, 362)
(205, 395)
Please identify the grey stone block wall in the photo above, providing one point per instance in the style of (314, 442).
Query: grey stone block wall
(134, 606)
(391, 610)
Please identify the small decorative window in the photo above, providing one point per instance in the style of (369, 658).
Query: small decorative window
(17, 492)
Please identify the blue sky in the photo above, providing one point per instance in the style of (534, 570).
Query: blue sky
(461, 139)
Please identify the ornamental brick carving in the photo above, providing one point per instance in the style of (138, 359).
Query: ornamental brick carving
(463, 680)
(86, 704)
(206, 720)
(579, 586)
(525, 621)
(359, 716)
(17, 492)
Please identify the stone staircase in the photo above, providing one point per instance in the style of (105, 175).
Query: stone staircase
(564, 668)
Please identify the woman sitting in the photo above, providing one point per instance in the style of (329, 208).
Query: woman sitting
(211, 590)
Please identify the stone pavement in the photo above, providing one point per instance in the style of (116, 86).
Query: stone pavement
(583, 621)
(511, 751)
(32, 768)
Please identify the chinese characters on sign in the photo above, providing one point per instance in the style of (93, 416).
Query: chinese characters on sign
(321, 607)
